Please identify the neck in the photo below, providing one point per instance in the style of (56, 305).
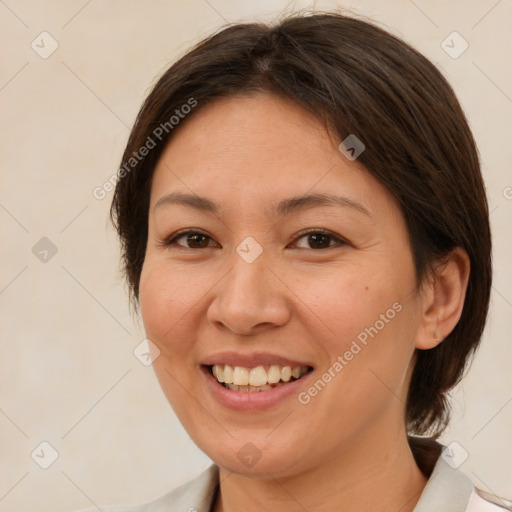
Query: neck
(373, 475)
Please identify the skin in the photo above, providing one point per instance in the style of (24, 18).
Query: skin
(348, 445)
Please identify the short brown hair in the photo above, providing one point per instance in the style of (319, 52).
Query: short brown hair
(357, 79)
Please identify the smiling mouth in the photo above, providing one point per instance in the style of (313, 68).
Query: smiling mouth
(259, 378)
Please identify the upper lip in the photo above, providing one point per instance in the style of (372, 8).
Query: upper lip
(251, 360)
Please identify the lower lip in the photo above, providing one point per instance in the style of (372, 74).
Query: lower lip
(251, 401)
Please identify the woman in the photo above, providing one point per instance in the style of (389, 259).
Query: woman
(305, 229)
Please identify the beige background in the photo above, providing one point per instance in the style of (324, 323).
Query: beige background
(67, 369)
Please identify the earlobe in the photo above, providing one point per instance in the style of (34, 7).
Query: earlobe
(443, 299)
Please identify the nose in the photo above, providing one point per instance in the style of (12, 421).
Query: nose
(250, 298)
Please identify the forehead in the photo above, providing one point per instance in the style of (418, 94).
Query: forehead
(250, 129)
(252, 148)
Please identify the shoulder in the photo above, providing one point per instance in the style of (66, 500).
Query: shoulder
(448, 488)
(194, 496)
(481, 501)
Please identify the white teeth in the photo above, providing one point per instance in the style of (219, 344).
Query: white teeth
(218, 371)
(228, 373)
(286, 373)
(258, 376)
(249, 389)
(240, 378)
(274, 374)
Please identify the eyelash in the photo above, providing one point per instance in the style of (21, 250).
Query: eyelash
(172, 241)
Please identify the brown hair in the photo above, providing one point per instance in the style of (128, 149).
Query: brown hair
(357, 79)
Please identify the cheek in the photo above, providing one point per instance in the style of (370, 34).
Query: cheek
(166, 298)
(376, 354)
(165, 301)
(345, 301)
(366, 316)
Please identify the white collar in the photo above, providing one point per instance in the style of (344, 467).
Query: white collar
(447, 490)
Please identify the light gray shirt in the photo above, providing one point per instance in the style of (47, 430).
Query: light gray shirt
(447, 490)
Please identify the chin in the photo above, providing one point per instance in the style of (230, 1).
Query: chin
(254, 455)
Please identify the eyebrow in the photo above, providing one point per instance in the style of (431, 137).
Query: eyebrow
(284, 207)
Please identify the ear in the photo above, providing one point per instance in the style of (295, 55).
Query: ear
(443, 299)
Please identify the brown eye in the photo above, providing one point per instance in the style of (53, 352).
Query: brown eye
(320, 239)
(193, 240)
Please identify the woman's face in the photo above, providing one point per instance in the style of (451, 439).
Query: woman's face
(250, 288)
